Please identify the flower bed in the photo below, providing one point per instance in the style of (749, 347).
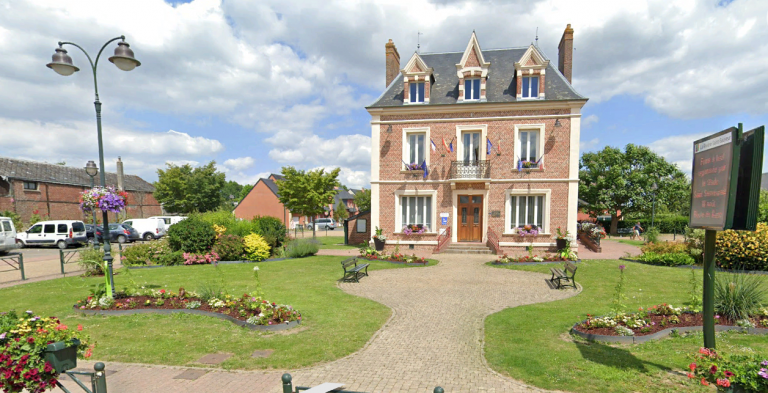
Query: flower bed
(506, 259)
(249, 308)
(373, 255)
(657, 319)
(741, 373)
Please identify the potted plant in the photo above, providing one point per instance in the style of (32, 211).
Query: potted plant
(562, 240)
(379, 239)
(106, 199)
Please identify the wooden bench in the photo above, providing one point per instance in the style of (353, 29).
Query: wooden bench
(562, 275)
(352, 270)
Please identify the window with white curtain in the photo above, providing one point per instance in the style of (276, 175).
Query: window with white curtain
(471, 146)
(416, 210)
(416, 149)
(526, 210)
(529, 145)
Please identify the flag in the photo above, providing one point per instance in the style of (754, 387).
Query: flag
(498, 147)
(540, 163)
(434, 147)
(489, 146)
(446, 146)
(519, 165)
(407, 167)
(450, 146)
(424, 166)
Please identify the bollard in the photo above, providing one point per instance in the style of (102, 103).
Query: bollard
(439, 390)
(99, 378)
(61, 260)
(21, 266)
(287, 385)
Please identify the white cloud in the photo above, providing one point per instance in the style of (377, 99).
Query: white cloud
(677, 150)
(353, 151)
(589, 121)
(588, 145)
(351, 178)
(239, 164)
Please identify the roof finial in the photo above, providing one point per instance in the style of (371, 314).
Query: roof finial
(418, 43)
(537, 36)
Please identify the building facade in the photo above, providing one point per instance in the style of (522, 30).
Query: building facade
(476, 145)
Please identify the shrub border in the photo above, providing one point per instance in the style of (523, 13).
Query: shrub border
(696, 267)
(219, 262)
(531, 263)
(268, 328)
(658, 335)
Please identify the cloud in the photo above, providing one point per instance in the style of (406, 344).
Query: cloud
(588, 145)
(239, 164)
(677, 149)
(351, 178)
(589, 121)
(353, 151)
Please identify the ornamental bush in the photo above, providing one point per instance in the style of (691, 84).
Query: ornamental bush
(272, 229)
(664, 247)
(256, 248)
(743, 250)
(669, 259)
(136, 255)
(301, 248)
(192, 235)
(229, 247)
(92, 261)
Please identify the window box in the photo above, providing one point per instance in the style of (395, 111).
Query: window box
(61, 356)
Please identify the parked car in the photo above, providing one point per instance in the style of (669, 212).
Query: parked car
(7, 235)
(148, 228)
(90, 230)
(118, 233)
(60, 233)
(170, 220)
(325, 223)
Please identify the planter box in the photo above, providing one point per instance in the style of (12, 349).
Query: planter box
(379, 244)
(60, 356)
(561, 243)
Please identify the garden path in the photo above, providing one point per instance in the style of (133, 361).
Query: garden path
(434, 337)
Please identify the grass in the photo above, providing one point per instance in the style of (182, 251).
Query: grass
(334, 323)
(334, 243)
(531, 343)
(638, 243)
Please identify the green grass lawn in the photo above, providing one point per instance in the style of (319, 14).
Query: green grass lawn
(638, 243)
(531, 343)
(334, 243)
(334, 323)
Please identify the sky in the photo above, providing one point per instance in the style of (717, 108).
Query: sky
(258, 85)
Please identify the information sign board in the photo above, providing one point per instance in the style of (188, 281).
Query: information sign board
(711, 202)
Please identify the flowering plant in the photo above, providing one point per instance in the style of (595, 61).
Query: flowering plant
(200, 259)
(528, 164)
(593, 231)
(414, 228)
(528, 230)
(106, 199)
(748, 371)
(563, 235)
(379, 234)
(413, 167)
(23, 340)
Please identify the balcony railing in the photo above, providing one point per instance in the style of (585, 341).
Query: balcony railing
(478, 169)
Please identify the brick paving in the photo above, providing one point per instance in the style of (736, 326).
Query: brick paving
(611, 249)
(434, 337)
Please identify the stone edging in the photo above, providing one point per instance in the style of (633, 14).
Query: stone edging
(696, 267)
(396, 262)
(531, 263)
(659, 334)
(268, 328)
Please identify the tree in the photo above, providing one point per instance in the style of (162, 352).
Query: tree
(244, 191)
(340, 213)
(307, 193)
(762, 207)
(183, 189)
(612, 181)
(231, 189)
(363, 200)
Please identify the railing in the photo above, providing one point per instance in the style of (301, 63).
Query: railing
(478, 169)
(67, 257)
(493, 241)
(15, 261)
(443, 240)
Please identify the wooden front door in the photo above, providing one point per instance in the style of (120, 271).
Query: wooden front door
(470, 211)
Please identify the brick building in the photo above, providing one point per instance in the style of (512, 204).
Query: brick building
(358, 228)
(53, 191)
(493, 136)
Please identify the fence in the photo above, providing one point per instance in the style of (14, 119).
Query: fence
(15, 261)
(493, 241)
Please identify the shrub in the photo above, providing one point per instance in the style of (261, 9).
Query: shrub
(14, 217)
(200, 259)
(229, 247)
(652, 235)
(671, 259)
(171, 258)
(136, 255)
(91, 261)
(301, 248)
(666, 223)
(192, 235)
(738, 296)
(665, 248)
(256, 248)
(694, 239)
(743, 250)
(272, 229)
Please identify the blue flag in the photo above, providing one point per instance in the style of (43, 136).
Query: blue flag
(424, 166)
(519, 165)
(490, 146)
(450, 145)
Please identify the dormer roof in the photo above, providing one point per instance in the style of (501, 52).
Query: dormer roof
(532, 59)
(473, 59)
(416, 67)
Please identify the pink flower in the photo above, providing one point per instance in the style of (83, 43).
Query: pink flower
(724, 383)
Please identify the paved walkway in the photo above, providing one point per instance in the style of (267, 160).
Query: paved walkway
(434, 337)
(611, 249)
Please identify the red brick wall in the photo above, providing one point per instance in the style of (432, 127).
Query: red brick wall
(261, 201)
(355, 237)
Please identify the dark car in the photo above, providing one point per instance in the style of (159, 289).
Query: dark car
(89, 232)
(120, 233)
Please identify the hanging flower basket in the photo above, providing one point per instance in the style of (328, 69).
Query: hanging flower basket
(106, 199)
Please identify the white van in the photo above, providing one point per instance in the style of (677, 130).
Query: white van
(170, 220)
(60, 233)
(148, 228)
(7, 235)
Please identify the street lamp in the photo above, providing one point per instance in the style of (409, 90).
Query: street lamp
(654, 187)
(124, 60)
(92, 170)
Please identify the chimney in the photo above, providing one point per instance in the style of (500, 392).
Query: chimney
(565, 53)
(393, 61)
(120, 174)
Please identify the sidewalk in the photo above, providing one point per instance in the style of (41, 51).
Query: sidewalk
(611, 249)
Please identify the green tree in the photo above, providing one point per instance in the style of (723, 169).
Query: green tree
(306, 193)
(184, 189)
(340, 213)
(244, 191)
(363, 200)
(615, 181)
(231, 189)
(762, 207)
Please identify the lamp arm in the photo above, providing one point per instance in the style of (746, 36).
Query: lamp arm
(93, 64)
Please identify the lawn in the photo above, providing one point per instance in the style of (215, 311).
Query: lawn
(334, 243)
(334, 323)
(638, 243)
(531, 343)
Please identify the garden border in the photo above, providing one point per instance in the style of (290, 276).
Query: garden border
(219, 262)
(266, 328)
(695, 267)
(426, 263)
(658, 335)
(531, 263)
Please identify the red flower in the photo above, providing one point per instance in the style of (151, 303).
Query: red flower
(724, 383)
(47, 367)
(31, 340)
(162, 291)
(713, 369)
(690, 375)
(704, 382)
(79, 328)
(727, 373)
(692, 366)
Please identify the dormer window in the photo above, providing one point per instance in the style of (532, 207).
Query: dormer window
(471, 89)
(417, 92)
(530, 87)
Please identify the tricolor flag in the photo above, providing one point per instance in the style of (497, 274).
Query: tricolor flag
(489, 146)
(498, 147)
(446, 145)
(434, 147)
(540, 163)
(519, 165)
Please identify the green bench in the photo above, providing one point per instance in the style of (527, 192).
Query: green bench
(353, 270)
(558, 276)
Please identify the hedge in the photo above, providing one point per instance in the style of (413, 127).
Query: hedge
(743, 250)
(666, 223)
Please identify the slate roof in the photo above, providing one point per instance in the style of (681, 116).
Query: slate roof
(269, 183)
(500, 86)
(51, 173)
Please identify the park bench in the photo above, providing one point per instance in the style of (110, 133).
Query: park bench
(352, 270)
(562, 275)
(624, 231)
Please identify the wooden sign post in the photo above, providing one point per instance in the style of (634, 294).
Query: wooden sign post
(724, 195)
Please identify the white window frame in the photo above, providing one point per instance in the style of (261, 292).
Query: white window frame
(545, 218)
(522, 92)
(415, 193)
(406, 144)
(460, 130)
(541, 138)
(471, 89)
(410, 96)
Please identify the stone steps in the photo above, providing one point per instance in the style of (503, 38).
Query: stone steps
(467, 248)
